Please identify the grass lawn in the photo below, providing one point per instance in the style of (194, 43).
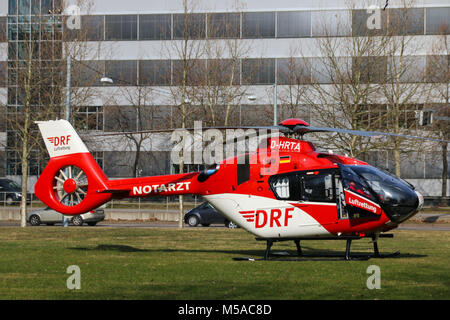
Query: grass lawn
(196, 263)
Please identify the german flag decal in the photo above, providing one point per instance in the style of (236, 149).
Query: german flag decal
(285, 159)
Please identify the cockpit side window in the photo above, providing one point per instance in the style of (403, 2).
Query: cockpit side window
(243, 169)
(354, 183)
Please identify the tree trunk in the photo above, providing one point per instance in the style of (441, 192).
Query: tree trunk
(24, 163)
(397, 160)
(181, 203)
(444, 174)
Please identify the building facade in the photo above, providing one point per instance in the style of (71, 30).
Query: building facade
(137, 45)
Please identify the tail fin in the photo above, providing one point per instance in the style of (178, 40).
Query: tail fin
(61, 138)
(70, 182)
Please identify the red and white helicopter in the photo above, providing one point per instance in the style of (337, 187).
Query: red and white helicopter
(309, 195)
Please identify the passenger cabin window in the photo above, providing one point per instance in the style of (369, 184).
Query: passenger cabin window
(281, 187)
(314, 186)
(317, 187)
(243, 169)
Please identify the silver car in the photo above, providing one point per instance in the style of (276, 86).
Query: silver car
(50, 217)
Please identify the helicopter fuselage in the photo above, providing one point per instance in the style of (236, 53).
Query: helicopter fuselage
(286, 189)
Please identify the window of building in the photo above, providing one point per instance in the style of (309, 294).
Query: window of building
(3, 73)
(123, 72)
(331, 23)
(154, 72)
(258, 71)
(258, 25)
(3, 33)
(92, 28)
(437, 68)
(223, 72)
(155, 26)
(294, 24)
(331, 70)
(2, 164)
(195, 69)
(369, 69)
(373, 117)
(12, 7)
(13, 166)
(98, 157)
(23, 7)
(438, 20)
(224, 25)
(407, 69)
(406, 21)
(46, 6)
(196, 26)
(121, 27)
(87, 73)
(120, 118)
(292, 71)
(408, 116)
(89, 118)
(434, 166)
(160, 117)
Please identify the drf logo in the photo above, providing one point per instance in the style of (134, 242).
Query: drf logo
(60, 141)
(263, 218)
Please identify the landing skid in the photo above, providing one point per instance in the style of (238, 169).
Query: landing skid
(310, 257)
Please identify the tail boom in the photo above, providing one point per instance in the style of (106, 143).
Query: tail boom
(73, 183)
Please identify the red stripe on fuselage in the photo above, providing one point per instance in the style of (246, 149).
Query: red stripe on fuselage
(327, 216)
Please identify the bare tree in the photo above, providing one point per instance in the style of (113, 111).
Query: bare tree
(438, 74)
(136, 116)
(293, 76)
(37, 87)
(344, 81)
(403, 88)
(220, 90)
(36, 75)
(188, 70)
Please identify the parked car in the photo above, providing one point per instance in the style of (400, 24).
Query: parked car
(11, 192)
(50, 217)
(205, 214)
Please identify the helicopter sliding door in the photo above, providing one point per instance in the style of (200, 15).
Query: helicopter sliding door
(316, 192)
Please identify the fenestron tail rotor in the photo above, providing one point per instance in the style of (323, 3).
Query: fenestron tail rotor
(70, 185)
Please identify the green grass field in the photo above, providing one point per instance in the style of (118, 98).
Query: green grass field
(196, 263)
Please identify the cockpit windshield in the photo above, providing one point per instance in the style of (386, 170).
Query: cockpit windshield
(396, 196)
(352, 181)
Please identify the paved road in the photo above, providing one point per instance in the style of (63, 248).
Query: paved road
(168, 224)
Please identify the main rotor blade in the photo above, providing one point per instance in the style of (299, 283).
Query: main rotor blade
(303, 130)
(280, 128)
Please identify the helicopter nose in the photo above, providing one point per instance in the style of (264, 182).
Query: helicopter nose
(409, 203)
